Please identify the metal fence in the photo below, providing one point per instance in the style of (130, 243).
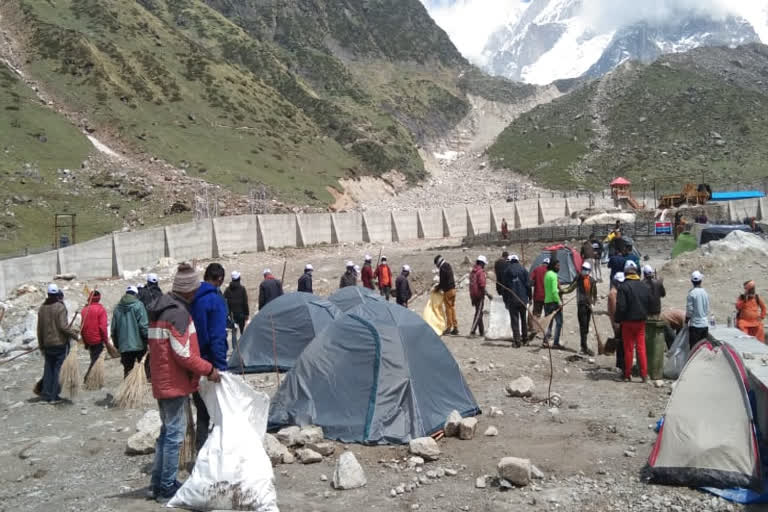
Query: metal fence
(26, 251)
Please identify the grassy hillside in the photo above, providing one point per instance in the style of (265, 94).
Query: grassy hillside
(685, 115)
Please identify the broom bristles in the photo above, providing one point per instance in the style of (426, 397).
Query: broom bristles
(69, 378)
(94, 379)
(132, 391)
(188, 452)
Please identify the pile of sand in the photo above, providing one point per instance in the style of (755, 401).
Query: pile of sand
(738, 252)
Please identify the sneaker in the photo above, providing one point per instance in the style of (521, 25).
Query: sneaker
(163, 497)
(446, 332)
(455, 332)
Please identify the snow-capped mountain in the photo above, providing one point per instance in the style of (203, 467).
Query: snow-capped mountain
(547, 40)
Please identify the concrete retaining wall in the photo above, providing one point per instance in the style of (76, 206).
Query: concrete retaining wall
(38, 267)
(551, 209)
(456, 219)
(377, 226)
(277, 231)
(315, 228)
(430, 224)
(236, 234)
(737, 210)
(527, 213)
(347, 227)
(406, 225)
(191, 241)
(138, 249)
(94, 258)
(503, 211)
(479, 219)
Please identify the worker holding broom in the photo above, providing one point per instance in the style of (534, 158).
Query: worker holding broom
(176, 368)
(53, 335)
(130, 328)
(94, 328)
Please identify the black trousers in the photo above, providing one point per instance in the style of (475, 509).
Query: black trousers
(696, 334)
(518, 317)
(478, 323)
(385, 291)
(95, 351)
(203, 421)
(239, 319)
(129, 360)
(584, 313)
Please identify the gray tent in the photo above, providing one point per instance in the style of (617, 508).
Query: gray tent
(296, 319)
(352, 296)
(379, 374)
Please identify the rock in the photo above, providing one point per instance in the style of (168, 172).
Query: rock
(289, 435)
(491, 431)
(393, 493)
(400, 489)
(288, 458)
(307, 456)
(309, 435)
(348, 473)
(520, 387)
(496, 412)
(515, 470)
(451, 472)
(452, 423)
(276, 451)
(480, 482)
(415, 461)
(629, 453)
(323, 478)
(326, 448)
(536, 473)
(148, 430)
(432, 474)
(467, 428)
(425, 447)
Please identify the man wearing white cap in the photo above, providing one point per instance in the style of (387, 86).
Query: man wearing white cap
(130, 329)
(348, 278)
(53, 335)
(632, 302)
(151, 291)
(237, 301)
(269, 289)
(697, 310)
(305, 281)
(366, 274)
(656, 287)
(586, 297)
(537, 281)
(477, 294)
(517, 293)
(403, 287)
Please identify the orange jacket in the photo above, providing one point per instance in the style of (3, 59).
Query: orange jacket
(384, 275)
(751, 310)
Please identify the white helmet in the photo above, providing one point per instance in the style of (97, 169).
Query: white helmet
(546, 261)
(53, 289)
(586, 266)
(406, 268)
(235, 275)
(132, 289)
(482, 259)
(151, 278)
(630, 265)
(267, 271)
(513, 257)
(350, 264)
(697, 276)
(648, 270)
(619, 277)
(309, 266)
(368, 257)
(357, 269)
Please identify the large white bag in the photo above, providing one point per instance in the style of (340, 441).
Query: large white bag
(499, 326)
(677, 355)
(232, 471)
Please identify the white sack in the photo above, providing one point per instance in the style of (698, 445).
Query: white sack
(677, 355)
(232, 471)
(499, 326)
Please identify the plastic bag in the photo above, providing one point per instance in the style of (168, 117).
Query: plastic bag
(232, 471)
(499, 326)
(434, 313)
(677, 355)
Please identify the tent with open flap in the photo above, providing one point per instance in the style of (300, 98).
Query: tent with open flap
(708, 436)
(280, 332)
(377, 375)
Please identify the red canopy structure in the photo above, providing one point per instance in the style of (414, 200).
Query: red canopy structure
(620, 181)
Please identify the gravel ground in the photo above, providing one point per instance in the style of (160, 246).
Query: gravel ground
(591, 449)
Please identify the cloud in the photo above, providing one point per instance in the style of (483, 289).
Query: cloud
(469, 23)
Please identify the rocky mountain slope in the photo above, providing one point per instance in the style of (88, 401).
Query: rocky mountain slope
(687, 115)
(559, 39)
(242, 94)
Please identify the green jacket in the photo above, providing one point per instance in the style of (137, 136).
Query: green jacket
(130, 325)
(551, 288)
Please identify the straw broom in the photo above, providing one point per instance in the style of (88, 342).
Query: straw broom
(69, 378)
(94, 379)
(131, 392)
(188, 452)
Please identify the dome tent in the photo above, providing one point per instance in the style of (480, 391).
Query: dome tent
(377, 375)
(296, 318)
(570, 261)
(352, 296)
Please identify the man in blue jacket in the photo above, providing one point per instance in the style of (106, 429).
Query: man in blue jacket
(209, 312)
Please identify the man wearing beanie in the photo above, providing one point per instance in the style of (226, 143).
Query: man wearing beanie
(176, 368)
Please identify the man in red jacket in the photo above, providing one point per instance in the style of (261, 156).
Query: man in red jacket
(176, 368)
(537, 278)
(94, 329)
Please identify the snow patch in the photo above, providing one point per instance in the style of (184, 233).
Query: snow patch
(448, 156)
(103, 148)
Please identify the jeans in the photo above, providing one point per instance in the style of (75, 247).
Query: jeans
(129, 360)
(95, 351)
(168, 445)
(584, 314)
(203, 421)
(54, 358)
(518, 317)
(548, 310)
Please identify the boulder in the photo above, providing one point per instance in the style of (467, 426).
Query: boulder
(452, 423)
(349, 473)
(520, 387)
(148, 430)
(424, 447)
(324, 448)
(289, 435)
(309, 435)
(491, 431)
(515, 470)
(307, 456)
(275, 450)
(467, 428)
